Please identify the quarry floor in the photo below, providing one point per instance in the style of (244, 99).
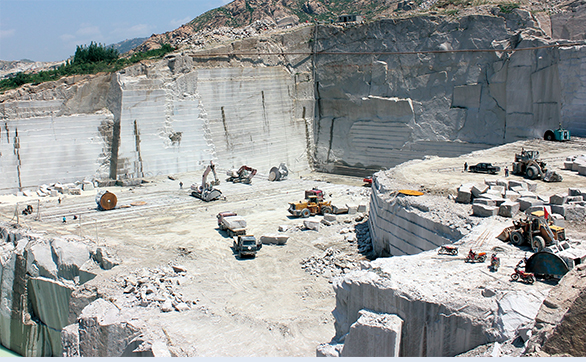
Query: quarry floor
(269, 305)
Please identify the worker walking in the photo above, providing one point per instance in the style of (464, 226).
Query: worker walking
(465, 166)
(181, 184)
(506, 171)
(64, 220)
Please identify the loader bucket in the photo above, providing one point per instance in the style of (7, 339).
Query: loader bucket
(504, 236)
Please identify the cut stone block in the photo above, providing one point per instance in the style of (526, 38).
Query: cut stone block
(361, 208)
(339, 209)
(512, 195)
(87, 186)
(311, 224)
(582, 169)
(517, 188)
(558, 220)
(558, 199)
(54, 193)
(527, 194)
(575, 199)
(478, 190)
(484, 201)
(531, 186)
(516, 183)
(75, 191)
(575, 213)
(509, 209)
(526, 203)
(373, 329)
(490, 182)
(484, 210)
(328, 350)
(535, 208)
(575, 192)
(494, 193)
(277, 239)
(568, 165)
(330, 217)
(464, 196)
(352, 209)
(558, 209)
(500, 189)
(496, 198)
(502, 182)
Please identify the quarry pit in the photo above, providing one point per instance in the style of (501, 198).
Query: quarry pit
(156, 277)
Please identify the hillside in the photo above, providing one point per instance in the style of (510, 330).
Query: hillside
(261, 15)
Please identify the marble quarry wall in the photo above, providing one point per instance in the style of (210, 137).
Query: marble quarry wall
(348, 113)
(377, 110)
(37, 278)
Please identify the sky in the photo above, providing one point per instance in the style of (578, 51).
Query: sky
(50, 30)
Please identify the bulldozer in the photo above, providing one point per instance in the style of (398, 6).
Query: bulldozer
(206, 191)
(314, 204)
(243, 175)
(536, 230)
(527, 164)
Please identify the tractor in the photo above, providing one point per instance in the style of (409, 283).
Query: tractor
(536, 231)
(527, 164)
(314, 204)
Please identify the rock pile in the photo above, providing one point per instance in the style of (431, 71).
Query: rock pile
(58, 189)
(331, 263)
(155, 288)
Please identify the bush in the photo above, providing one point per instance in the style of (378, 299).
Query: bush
(92, 59)
(508, 7)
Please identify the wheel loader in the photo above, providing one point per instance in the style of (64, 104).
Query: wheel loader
(527, 164)
(314, 204)
(536, 231)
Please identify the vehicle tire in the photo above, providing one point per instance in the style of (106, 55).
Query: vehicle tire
(482, 258)
(532, 172)
(517, 238)
(531, 279)
(455, 252)
(326, 210)
(515, 276)
(230, 233)
(538, 244)
(240, 254)
(305, 213)
(549, 136)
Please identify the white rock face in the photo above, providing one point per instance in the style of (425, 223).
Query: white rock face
(373, 335)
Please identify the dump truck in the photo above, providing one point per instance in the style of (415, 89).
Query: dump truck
(528, 164)
(535, 230)
(231, 223)
(314, 204)
(559, 134)
(246, 245)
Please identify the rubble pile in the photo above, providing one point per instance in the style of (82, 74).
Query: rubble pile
(154, 288)
(331, 263)
(222, 34)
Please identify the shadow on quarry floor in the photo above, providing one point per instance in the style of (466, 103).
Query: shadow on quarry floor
(363, 240)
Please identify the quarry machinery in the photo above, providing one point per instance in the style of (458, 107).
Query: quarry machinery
(559, 134)
(527, 164)
(206, 191)
(279, 173)
(246, 245)
(536, 230)
(314, 204)
(243, 175)
(231, 223)
(106, 200)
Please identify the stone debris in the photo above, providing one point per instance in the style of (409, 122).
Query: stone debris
(154, 288)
